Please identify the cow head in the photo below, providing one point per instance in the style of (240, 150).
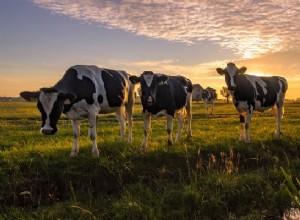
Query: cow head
(231, 72)
(149, 83)
(209, 94)
(51, 105)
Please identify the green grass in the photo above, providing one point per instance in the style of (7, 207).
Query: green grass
(211, 176)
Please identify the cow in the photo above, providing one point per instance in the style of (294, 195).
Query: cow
(82, 93)
(197, 93)
(209, 96)
(254, 93)
(163, 95)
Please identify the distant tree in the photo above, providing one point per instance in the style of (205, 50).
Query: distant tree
(225, 92)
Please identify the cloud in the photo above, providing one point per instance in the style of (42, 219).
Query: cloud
(248, 27)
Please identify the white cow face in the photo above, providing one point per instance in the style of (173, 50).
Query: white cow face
(149, 83)
(231, 72)
(51, 105)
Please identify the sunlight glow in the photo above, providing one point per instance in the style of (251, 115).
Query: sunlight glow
(259, 74)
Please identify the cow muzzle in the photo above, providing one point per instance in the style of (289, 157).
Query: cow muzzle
(47, 131)
(150, 101)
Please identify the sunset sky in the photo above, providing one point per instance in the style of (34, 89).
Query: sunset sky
(41, 39)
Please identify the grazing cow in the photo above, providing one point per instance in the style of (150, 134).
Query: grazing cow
(163, 95)
(209, 96)
(251, 93)
(83, 93)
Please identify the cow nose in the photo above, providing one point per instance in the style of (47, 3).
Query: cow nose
(149, 99)
(46, 131)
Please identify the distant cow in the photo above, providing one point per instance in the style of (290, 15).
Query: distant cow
(164, 95)
(251, 93)
(197, 93)
(83, 93)
(209, 96)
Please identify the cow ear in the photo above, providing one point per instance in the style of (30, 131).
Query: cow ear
(162, 78)
(68, 98)
(220, 71)
(135, 79)
(29, 96)
(242, 70)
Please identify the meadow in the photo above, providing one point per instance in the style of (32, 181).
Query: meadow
(210, 176)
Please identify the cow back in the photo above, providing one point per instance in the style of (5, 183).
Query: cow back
(171, 95)
(104, 87)
(261, 92)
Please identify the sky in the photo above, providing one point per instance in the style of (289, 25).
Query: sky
(41, 39)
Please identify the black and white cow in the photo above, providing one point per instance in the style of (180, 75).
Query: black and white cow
(83, 93)
(257, 93)
(209, 96)
(163, 95)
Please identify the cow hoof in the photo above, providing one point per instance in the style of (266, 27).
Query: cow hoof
(188, 137)
(170, 143)
(73, 153)
(142, 149)
(95, 154)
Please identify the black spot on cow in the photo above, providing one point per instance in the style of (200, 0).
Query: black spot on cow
(100, 99)
(244, 89)
(83, 88)
(260, 94)
(273, 89)
(178, 91)
(114, 85)
(43, 113)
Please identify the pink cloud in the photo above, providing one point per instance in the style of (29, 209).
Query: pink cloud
(249, 28)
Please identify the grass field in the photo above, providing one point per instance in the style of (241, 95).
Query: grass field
(211, 176)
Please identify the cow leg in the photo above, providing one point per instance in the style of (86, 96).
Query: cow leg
(278, 113)
(129, 118)
(147, 127)
(206, 109)
(189, 116)
(212, 108)
(120, 113)
(242, 122)
(180, 120)
(76, 132)
(247, 124)
(93, 134)
(170, 129)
